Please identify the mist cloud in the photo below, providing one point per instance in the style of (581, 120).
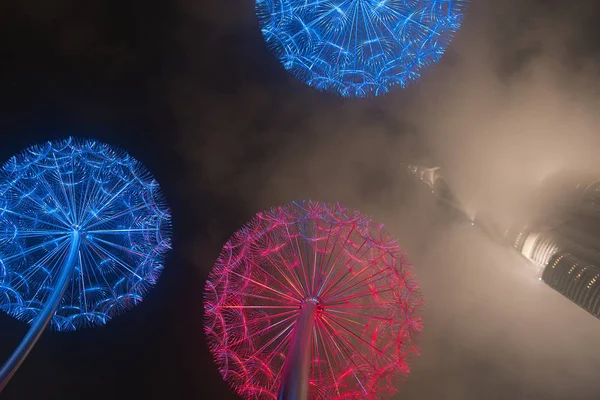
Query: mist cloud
(514, 100)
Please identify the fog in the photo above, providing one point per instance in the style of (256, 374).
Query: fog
(514, 100)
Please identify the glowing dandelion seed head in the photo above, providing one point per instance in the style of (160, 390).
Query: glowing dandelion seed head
(358, 48)
(361, 292)
(51, 192)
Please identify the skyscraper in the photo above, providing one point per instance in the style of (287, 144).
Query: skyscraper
(575, 279)
(565, 243)
(558, 231)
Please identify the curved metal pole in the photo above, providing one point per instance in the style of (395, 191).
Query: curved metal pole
(44, 317)
(296, 370)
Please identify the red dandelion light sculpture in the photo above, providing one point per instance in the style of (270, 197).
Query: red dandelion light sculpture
(312, 301)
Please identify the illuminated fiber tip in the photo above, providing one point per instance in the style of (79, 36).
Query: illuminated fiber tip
(312, 297)
(79, 200)
(359, 48)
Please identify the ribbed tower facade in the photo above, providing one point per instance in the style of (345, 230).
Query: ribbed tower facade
(558, 231)
(566, 245)
(576, 279)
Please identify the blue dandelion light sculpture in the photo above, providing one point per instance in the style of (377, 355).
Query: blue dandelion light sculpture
(84, 230)
(358, 48)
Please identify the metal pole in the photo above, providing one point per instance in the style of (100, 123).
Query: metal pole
(44, 317)
(296, 370)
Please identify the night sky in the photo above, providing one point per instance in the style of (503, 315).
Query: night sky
(189, 89)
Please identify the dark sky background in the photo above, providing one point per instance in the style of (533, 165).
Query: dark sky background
(189, 88)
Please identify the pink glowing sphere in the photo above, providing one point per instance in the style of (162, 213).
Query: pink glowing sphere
(367, 303)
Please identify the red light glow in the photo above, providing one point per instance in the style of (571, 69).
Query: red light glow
(366, 296)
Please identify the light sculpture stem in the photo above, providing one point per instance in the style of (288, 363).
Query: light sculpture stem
(44, 317)
(296, 371)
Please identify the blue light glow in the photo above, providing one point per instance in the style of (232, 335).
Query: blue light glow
(54, 192)
(358, 48)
